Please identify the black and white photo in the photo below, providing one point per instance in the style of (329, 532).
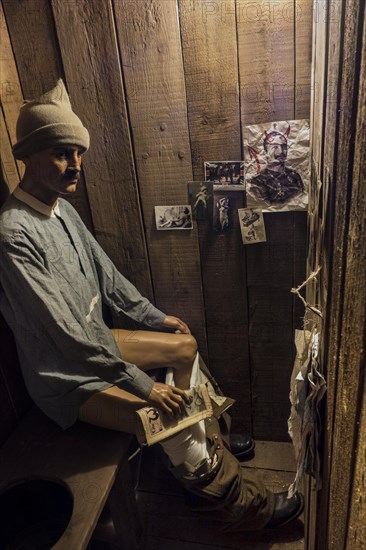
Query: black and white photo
(173, 217)
(201, 199)
(228, 174)
(252, 225)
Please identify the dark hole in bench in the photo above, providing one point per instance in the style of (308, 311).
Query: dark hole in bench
(34, 514)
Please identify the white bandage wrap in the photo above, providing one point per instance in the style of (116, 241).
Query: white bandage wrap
(190, 444)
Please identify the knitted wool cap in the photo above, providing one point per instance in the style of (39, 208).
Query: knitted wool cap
(47, 122)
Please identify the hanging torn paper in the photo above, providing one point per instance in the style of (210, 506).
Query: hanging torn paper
(277, 172)
(307, 390)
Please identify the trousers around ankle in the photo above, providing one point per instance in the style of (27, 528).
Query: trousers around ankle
(229, 493)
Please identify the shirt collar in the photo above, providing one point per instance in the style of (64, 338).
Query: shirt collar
(36, 204)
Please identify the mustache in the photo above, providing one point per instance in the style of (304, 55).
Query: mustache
(72, 174)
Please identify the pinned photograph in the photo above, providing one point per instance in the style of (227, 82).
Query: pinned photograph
(201, 199)
(228, 174)
(173, 217)
(223, 208)
(252, 225)
(277, 169)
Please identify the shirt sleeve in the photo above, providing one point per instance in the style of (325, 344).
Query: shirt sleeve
(24, 277)
(119, 294)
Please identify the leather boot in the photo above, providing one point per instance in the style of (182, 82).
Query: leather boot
(286, 509)
(242, 446)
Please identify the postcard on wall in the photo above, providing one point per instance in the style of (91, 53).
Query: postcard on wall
(225, 174)
(252, 225)
(173, 217)
(201, 199)
(277, 165)
(223, 213)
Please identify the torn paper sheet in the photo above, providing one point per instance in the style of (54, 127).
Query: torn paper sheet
(276, 165)
(307, 390)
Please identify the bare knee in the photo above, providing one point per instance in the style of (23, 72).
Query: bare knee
(186, 349)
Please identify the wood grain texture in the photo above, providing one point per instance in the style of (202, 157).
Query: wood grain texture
(355, 315)
(98, 97)
(325, 202)
(9, 167)
(11, 100)
(267, 94)
(34, 44)
(303, 18)
(211, 76)
(319, 82)
(149, 38)
(337, 241)
(83, 458)
(356, 534)
(340, 371)
(332, 93)
(266, 61)
(269, 280)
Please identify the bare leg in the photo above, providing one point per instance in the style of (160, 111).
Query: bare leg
(115, 408)
(151, 350)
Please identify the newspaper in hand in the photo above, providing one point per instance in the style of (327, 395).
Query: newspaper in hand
(155, 425)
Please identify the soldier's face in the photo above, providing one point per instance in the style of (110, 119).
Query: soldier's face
(56, 169)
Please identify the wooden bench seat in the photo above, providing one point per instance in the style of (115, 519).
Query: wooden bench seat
(91, 462)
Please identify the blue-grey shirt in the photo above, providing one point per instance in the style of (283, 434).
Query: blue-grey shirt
(54, 277)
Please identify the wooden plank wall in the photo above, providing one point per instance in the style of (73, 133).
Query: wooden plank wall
(212, 84)
(162, 86)
(271, 90)
(337, 225)
(14, 399)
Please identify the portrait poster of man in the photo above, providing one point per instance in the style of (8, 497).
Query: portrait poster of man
(201, 199)
(277, 169)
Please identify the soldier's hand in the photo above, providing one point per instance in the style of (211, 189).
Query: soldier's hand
(168, 398)
(176, 323)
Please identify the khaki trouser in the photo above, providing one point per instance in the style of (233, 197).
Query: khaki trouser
(228, 492)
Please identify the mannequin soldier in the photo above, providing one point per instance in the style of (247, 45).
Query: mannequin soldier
(75, 367)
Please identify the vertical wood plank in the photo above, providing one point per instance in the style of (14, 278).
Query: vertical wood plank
(356, 316)
(329, 279)
(34, 45)
(8, 165)
(211, 76)
(149, 38)
(319, 82)
(303, 19)
(303, 15)
(11, 100)
(333, 214)
(270, 279)
(98, 97)
(266, 60)
(356, 536)
(339, 374)
(267, 94)
(335, 40)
